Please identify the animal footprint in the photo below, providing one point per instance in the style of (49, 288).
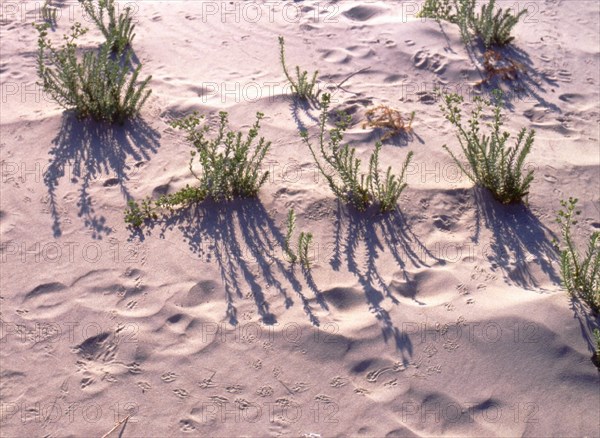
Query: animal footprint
(264, 391)
(323, 398)
(218, 400)
(86, 382)
(186, 426)
(181, 393)
(242, 403)
(132, 304)
(145, 386)
(168, 377)
(134, 368)
(391, 383)
(300, 387)
(338, 382)
(234, 389)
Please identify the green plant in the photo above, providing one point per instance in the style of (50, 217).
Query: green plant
(580, 275)
(230, 167)
(438, 10)
(490, 162)
(97, 86)
(291, 224)
(136, 213)
(49, 13)
(493, 26)
(345, 179)
(302, 87)
(304, 241)
(118, 31)
(597, 338)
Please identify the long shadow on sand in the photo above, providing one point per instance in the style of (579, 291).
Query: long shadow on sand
(587, 323)
(245, 243)
(90, 150)
(526, 84)
(377, 233)
(518, 238)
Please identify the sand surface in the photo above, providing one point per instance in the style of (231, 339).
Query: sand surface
(446, 318)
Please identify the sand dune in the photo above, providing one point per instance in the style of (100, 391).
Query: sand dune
(446, 318)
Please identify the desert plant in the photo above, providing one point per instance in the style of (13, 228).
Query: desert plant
(290, 226)
(345, 179)
(597, 339)
(118, 31)
(304, 241)
(301, 87)
(230, 167)
(97, 86)
(383, 116)
(438, 10)
(580, 275)
(490, 162)
(49, 14)
(493, 26)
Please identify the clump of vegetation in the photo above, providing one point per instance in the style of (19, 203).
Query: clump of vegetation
(345, 179)
(301, 87)
(493, 26)
(580, 274)
(490, 163)
(118, 31)
(230, 167)
(304, 241)
(97, 86)
(388, 118)
(497, 65)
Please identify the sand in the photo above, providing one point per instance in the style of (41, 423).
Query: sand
(446, 318)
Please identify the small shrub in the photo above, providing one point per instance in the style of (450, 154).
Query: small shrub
(97, 86)
(492, 26)
(118, 31)
(385, 117)
(346, 180)
(490, 162)
(580, 275)
(301, 87)
(304, 241)
(230, 167)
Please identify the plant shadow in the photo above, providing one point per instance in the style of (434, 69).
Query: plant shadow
(518, 238)
(515, 76)
(87, 150)
(247, 246)
(588, 322)
(378, 233)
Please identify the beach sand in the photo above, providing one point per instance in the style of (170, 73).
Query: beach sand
(446, 318)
